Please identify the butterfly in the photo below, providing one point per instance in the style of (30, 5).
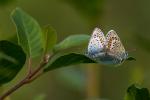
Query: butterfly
(106, 49)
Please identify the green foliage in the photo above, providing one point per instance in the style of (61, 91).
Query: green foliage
(68, 60)
(71, 41)
(29, 33)
(50, 38)
(12, 59)
(35, 42)
(136, 93)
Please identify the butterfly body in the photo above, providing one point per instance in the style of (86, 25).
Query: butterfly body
(107, 50)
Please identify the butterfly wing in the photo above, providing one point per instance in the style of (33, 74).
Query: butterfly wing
(114, 46)
(96, 43)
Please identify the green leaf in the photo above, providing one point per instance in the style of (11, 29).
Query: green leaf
(68, 60)
(12, 59)
(130, 59)
(72, 41)
(136, 93)
(29, 33)
(50, 38)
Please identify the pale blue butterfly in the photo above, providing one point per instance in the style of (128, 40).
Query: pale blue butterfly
(106, 49)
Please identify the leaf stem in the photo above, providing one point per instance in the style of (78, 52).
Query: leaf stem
(29, 65)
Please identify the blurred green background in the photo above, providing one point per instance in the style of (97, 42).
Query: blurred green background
(129, 18)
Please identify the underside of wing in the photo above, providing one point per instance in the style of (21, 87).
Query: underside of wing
(97, 42)
(113, 44)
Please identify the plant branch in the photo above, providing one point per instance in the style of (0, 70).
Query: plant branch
(21, 83)
(32, 75)
(34, 78)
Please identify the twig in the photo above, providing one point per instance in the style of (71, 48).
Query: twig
(34, 78)
(21, 83)
(32, 75)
